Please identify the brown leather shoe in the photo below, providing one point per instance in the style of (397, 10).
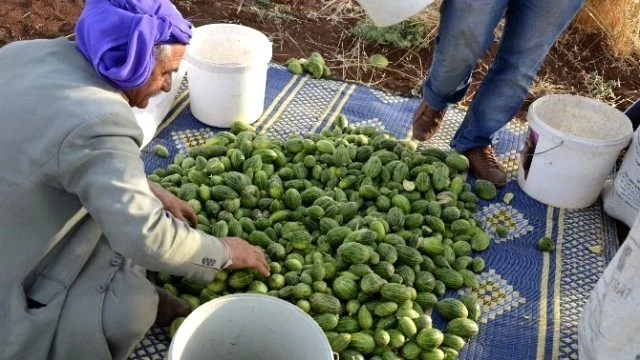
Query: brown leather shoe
(484, 165)
(426, 122)
(170, 307)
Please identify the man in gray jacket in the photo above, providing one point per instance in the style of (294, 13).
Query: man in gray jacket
(79, 223)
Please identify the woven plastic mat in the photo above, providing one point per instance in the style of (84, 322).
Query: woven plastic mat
(531, 301)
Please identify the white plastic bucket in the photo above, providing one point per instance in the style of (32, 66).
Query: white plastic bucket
(249, 326)
(578, 141)
(621, 195)
(389, 12)
(227, 73)
(610, 319)
(159, 106)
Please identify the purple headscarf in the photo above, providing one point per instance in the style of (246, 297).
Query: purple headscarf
(118, 37)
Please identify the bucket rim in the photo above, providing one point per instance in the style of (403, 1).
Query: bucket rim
(536, 122)
(204, 310)
(194, 59)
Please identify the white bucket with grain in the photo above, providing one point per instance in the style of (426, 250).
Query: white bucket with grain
(227, 73)
(577, 141)
(249, 326)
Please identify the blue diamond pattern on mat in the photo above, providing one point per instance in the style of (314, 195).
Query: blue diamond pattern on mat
(388, 98)
(153, 346)
(372, 122)
(510, 162)
(497, 214)
(581, 269)
(511, 137)
(186, 139)
(494, 295)
(517, 129)
(452, 120)
(311, 103)
(511, 140)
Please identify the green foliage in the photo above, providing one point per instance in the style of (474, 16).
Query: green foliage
(602, 89)
(403, 35)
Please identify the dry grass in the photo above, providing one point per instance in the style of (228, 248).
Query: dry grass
(603, 89)
(617, 20)
(339, 11)
(592, 71)
(545, 85)
(431, 17)
(348, 56)
(353, 58)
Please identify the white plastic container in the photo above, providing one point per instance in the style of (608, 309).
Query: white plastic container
(621, 195)
(227, 73)
(159, 106)
(578, 141)
(610, 320)
(389, 12)
(249, 326)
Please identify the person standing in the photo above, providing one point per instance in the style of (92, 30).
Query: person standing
(466, 32)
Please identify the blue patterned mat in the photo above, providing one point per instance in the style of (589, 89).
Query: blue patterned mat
(531, 301)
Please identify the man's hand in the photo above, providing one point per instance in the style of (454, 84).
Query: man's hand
(177, 207)
(244, 255)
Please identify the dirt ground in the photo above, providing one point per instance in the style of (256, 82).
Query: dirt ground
(577, 64)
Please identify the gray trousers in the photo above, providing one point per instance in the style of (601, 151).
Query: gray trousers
(105, 319)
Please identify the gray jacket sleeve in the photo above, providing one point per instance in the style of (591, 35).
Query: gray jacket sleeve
(100, 163)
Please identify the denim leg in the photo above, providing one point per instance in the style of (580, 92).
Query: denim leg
(465, 34)
(531, 28)
(633, 113)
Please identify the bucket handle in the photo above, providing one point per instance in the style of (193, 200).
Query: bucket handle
(336, 356)
(547, 150)
(530, 150)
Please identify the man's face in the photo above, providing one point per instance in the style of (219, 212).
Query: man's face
(160, 79)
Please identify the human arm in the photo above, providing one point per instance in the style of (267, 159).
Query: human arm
(241, 253)
(245, 255)
(176, 206)
(100, 163)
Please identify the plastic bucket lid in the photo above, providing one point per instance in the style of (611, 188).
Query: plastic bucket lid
(249, 326)
(228, 48)
(580, 121)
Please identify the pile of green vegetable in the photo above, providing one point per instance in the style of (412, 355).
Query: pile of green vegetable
(314, 65)
(362, 231)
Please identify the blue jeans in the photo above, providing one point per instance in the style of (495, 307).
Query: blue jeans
(633, 113)
(466, 32)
